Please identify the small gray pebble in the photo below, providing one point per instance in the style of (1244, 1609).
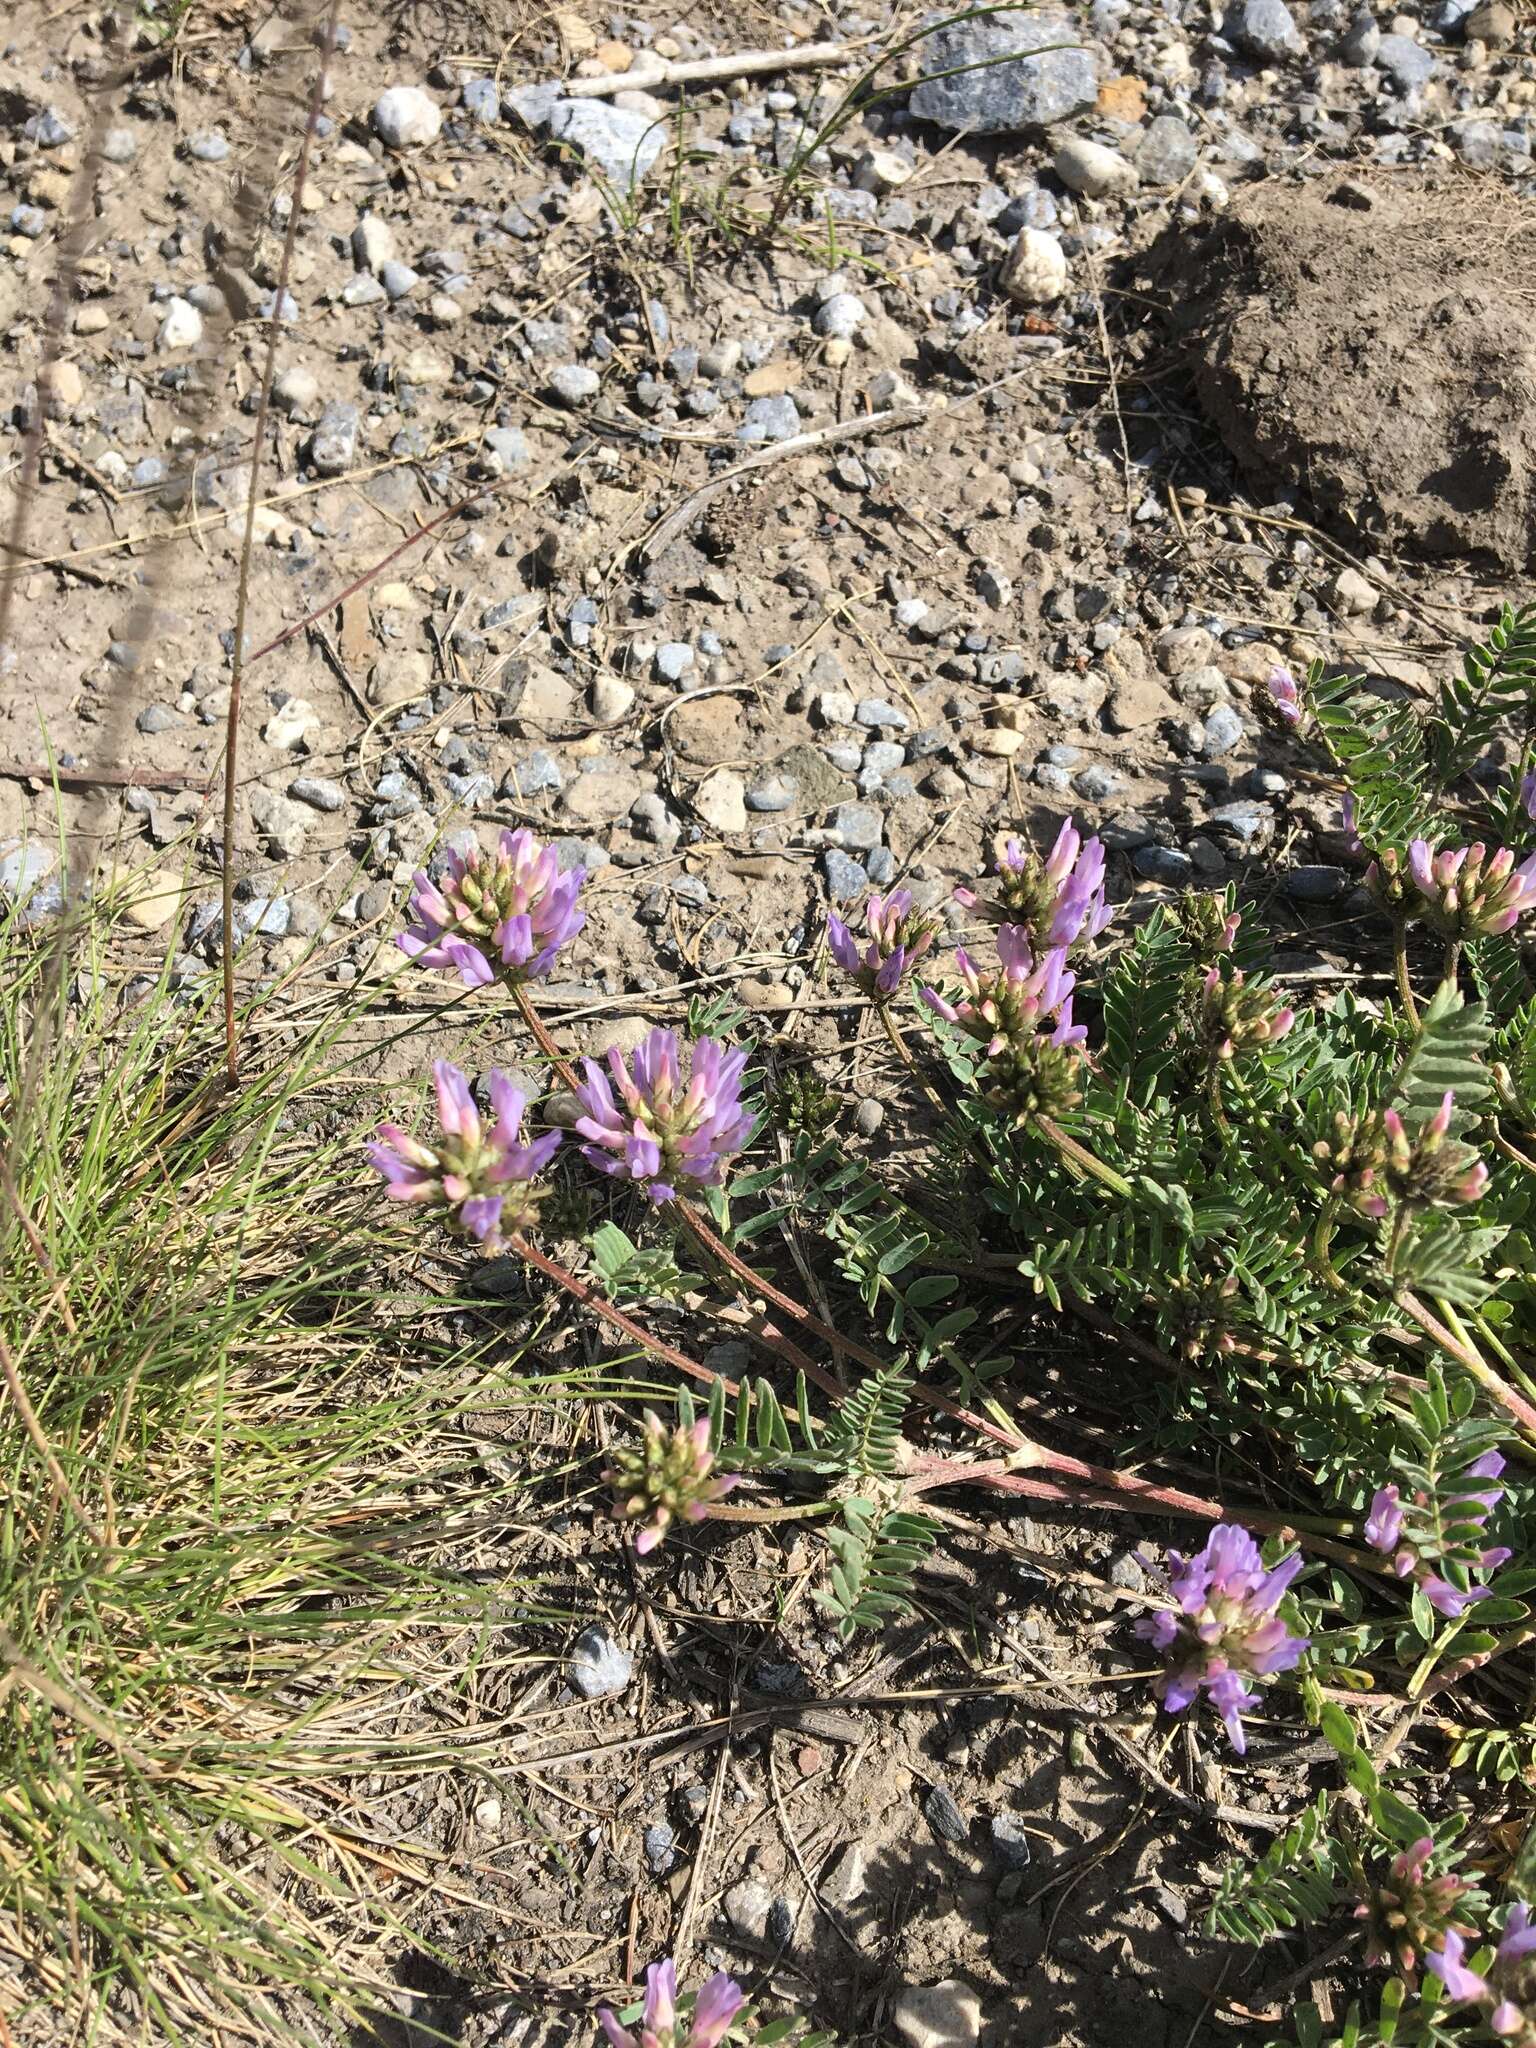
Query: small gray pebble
(660, 1848)
(319, 794)
(1010, 1841)
(861, 825)
(211, 146)
(773, 793)
(398, 279)
(156, 718)
(1223, 731)
(1319, 884)
(846, 880)
(869, 1116)
(1162, 864)
(770, 419)
(876, 712)
(880, 863)
(574, 383)
(1095, 783)
(674, 658)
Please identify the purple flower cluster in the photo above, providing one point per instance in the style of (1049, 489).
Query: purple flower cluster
(1018, 1000)
(713, 2011)
(1467, 892)
(663, 1132)
(669, 1474)
(1454, 1530)
(484, 1178)
(1506, 1988)
(898, 938)
(1226, 1629)
(1059, 901)
(504, 918)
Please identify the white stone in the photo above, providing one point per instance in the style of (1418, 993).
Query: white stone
(373, 243)
(1035, 269)
(405, 117)
(881, 170)
(841, 315)
(296, 390)
(611, 699)
(946, 2015)
(1001, 741)
(1356, 593)
(291, 724)
(721, 801)
(1093, 170)
(547, 699)
(182, 326)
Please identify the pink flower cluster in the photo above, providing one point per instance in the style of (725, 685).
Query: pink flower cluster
(496, 918)
(1016, 1001)
(660, 2025)
(668, 1475)
(1226, 1630)
(1059, 901)
(1467, 892)
(654, 1127)
(898, 939)
(1505, 1990)
(484, 1178)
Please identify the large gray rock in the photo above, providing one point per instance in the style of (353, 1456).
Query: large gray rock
(1265, 29)
(1009, 72)
(616, 143)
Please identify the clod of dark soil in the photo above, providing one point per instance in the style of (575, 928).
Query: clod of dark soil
(1369, 341)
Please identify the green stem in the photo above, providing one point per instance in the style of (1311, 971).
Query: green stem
(905, 1054)
(1400, 966)
(1081, 1157)
(1452, 961)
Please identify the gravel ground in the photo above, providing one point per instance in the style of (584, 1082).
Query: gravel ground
(808, 505)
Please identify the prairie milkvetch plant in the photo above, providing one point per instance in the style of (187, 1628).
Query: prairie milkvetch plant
(898, 937)
(1226, 1630)
(660, 2025)
(484, 1174)
(668, 1476)
(647, 1121)
(496, 917)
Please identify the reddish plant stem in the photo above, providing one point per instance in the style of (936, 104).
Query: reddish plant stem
(599, 1305)
(547, 1045)
(722, 1252)
(1515, 1406)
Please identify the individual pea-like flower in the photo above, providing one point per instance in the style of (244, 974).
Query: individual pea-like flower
(1388, 883)
(486, 1179)
(668, 1475)
(1348, 827)
(1282, 702)
(1058, 901)
(1237, 1015)
(899, 936)
(1411, 1909)
(503, 917)
(664, 1132)
(1015, 1002)
(1226, 1630)
(1527, 795)
(660, 2025)
(1467, 893)
(1509, 1988)
(1439, 1542)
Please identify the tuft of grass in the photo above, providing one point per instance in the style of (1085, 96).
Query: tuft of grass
(236, 1482)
